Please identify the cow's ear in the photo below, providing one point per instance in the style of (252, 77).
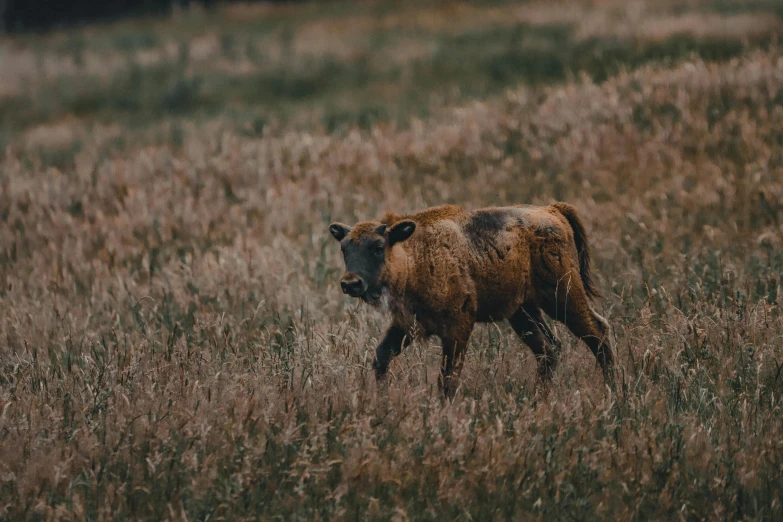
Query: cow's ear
(339, 231)
(400, 232)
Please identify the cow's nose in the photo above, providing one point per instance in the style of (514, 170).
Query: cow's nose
(353, 287)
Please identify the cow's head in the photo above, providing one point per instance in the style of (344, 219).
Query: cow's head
(365, 248)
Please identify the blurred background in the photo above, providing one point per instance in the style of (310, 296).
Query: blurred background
(25, 15)
(334, 65)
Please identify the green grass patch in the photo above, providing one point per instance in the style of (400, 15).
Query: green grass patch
(359, 92)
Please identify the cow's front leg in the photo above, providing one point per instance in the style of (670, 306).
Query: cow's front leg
(390, 347)
(455, 345)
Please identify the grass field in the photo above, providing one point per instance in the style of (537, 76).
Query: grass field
(174, 344)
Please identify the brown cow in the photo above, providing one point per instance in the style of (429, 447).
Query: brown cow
(444, 269)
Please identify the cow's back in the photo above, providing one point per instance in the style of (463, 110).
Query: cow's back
(481, 261)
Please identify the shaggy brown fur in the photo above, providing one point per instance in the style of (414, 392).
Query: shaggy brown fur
(445, 269)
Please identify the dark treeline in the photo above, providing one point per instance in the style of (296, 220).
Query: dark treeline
(26, 15)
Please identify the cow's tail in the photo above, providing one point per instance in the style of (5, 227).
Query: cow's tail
(583, 249)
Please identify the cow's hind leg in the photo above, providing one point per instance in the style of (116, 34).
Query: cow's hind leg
(529, 324)
(568, 303)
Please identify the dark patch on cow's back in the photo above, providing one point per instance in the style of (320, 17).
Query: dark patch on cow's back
(551, 232)
(483, 228)
(488, 221)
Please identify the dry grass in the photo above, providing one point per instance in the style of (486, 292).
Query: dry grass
(174, 344)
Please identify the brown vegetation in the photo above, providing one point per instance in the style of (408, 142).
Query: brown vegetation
(174, 343)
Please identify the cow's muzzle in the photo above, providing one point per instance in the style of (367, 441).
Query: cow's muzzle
(353, 285)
